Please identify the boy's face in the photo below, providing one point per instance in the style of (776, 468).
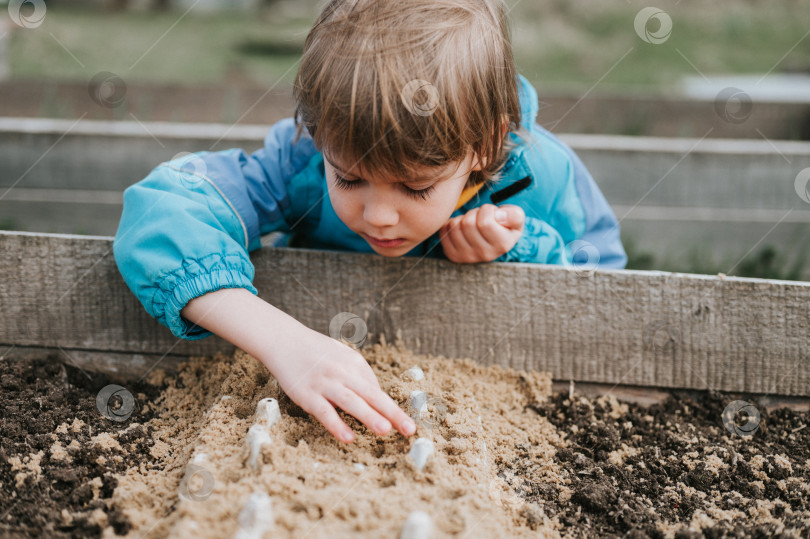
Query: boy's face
(408, 210)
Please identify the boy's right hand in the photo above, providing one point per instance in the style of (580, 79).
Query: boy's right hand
(319, 373)
(316, 371)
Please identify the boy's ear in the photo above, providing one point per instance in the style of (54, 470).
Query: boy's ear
(478, 163)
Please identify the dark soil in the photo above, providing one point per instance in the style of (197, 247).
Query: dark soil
(678, 443)
(70, 496)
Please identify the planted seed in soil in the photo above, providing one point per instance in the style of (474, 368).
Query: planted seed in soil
(509, 458)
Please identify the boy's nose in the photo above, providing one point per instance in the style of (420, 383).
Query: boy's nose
(380, 214)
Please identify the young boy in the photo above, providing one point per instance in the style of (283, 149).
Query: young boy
(413, 129)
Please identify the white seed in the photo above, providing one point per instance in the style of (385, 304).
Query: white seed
(418, 526)
(257, 437)
(415, 374)
(420, 452)
(267, 412)
(256, 517)
(359, 466)
(419, 401)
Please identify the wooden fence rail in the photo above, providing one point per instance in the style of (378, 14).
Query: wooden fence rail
(64, 294)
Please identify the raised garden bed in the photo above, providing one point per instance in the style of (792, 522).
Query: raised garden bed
(569, 463)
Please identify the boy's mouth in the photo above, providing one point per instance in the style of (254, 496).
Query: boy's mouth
(395, 242)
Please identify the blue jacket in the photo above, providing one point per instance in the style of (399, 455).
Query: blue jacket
(187, 228)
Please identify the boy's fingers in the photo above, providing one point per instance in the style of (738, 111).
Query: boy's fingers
(456, 244)
(447, 237)
(481, 247)
(512, 217)
(385, 405)
(470, 236)
(325, 412)
(494, 233)
(351, 403)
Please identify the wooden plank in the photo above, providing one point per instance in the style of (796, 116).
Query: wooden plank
(681, 172)
(65, 291)
(646, 396)
(636, 114)
(116, 365)
(96, 218)
(55, 154)
(619, 327)
(709, 173)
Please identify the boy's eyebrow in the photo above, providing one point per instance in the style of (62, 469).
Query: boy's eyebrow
(417, 179)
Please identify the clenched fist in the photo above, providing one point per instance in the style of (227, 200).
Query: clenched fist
(482, 234)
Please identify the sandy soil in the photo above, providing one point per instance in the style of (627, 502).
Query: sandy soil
(476, 417)
(509, 459)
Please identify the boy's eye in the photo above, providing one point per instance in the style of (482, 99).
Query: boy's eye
(343, 183)
(419, 194)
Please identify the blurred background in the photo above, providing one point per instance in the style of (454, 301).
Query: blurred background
(693, 117)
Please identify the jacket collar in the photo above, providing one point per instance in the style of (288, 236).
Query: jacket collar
(515, 166)
(528, 103)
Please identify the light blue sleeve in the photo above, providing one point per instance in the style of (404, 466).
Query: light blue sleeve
(568, 220)
(186, 229)
(602, 230)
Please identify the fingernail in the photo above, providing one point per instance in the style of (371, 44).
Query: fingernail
(347, 437)
(500, 216)
(408, 428)
(383, 426)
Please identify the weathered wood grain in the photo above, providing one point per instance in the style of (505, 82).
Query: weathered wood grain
(617, 327)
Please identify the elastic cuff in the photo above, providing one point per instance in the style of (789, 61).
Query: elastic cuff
(177, 289)
(525, 250)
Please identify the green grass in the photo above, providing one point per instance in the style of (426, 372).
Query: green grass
(562, 44)
(577, 43)
(143, 47)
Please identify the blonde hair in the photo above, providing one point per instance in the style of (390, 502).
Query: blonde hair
(399, 85)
